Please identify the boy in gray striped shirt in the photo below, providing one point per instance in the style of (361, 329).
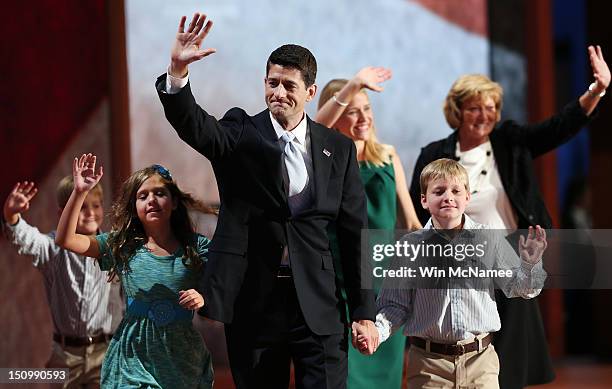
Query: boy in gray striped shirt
(77, 290)
(449, 314)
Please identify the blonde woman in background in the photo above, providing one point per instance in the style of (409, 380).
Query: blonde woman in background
(498, 156)
(345, 106)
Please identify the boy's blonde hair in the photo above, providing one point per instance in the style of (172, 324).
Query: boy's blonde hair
(64, 189)
(374, 152)
(445, 168)
(466, 87)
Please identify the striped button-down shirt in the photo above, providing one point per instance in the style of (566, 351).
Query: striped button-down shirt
(77, 290)
(448, 315)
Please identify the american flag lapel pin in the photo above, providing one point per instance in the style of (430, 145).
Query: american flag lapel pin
(326, 152)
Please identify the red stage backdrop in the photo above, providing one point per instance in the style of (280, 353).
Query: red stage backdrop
(54, 69)
(54, 105)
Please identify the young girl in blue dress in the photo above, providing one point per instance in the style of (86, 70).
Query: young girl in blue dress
(154, 250)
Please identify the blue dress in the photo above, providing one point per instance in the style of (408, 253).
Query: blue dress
(156, 345)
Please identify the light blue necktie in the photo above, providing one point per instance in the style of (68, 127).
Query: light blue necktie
(294, 162)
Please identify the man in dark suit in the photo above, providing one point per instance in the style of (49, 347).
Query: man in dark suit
(283, 180)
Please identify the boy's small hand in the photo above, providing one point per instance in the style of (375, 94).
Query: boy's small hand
(191, 299)
(84, 173)
(532, 248)
(18, 201)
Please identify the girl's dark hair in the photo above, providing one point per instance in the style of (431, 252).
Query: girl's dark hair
(127, 233)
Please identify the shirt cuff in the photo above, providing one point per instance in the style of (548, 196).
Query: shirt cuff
(175, 84)
(383, 326)
(528, 267)
(9, 226)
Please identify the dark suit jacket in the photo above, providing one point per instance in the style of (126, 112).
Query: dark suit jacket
(521, 343)
(255, 223)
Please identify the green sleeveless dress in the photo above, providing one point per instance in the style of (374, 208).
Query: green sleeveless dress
(384, 368)
(153, 348)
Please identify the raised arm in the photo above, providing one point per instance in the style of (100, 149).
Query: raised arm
(85, 179)
(549, 134)
(532, 248)
(28, 239)
(369, 77)
(211, 138)
(18, 201)
(529, 274)
(187, 44)
(589, 100)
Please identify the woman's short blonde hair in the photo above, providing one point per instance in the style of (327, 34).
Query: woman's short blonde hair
(374, 152)
(466, 87)
(444, 168)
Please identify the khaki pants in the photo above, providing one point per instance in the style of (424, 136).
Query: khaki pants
(476, 369)
(83, 362)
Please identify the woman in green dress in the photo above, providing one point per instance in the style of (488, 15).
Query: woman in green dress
(154, 250)
(344, 105)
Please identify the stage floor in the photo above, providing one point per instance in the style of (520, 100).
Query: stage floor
(571, 374)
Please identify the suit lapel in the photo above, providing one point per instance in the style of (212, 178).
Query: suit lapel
(264, 124)
(274, 159)
(322, 156)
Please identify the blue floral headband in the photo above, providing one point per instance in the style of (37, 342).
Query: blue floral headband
(162, 171)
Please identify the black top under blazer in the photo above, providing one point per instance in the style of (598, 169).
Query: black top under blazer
(255, 223)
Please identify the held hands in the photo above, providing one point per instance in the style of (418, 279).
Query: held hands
(18, 201)
(371, 76)
(533, 247)
(84, 173)
(601, 72)
(191, 299)
(365, 336)
(186, 47)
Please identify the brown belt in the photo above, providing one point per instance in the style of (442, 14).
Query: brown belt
(73, 341)
(451, 349)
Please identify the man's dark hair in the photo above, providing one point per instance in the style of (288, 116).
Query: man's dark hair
(297, 57)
